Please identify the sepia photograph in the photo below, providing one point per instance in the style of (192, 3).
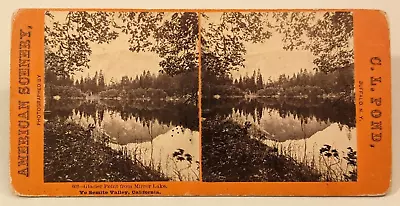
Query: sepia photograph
(278, 97)
(121, 96)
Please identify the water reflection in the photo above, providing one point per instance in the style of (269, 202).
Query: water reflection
(148, 132)
(323, 110)
(147, 111)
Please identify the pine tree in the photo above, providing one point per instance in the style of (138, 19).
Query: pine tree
(136, 82)
(253, 86)
(101, 82)
(240, 83)
(82, 84)
(94, 83)
(270, 83)
(76, 83)
(260, 83)
(148, 80)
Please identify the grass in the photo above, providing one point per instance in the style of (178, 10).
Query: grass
(328, 162)
(180, 163)
(72, 155)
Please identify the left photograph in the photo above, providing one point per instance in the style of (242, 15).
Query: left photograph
(121, 96)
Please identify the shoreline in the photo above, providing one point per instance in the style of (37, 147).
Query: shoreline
(281, 97)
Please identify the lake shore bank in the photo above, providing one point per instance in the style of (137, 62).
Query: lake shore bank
(325, 97)
(231, 155)
(72, 155)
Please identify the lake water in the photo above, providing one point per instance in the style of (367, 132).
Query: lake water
(164, 135)
(160, 135)
(296, 128)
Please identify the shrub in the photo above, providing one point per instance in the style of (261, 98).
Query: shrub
(111, 93)
(223, 90)
(63, 91)
(147, 93)
(269, 91)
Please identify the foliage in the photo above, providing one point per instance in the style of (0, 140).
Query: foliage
(67, 48)
(223, 41)
(174, 36)
(351, 159)
(180, 156)
(333, 161)
(328, 36)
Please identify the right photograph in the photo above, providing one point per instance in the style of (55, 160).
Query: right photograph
(278, 97)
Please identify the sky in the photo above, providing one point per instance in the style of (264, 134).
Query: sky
(273, 61)
(270, 57)
(115, 60)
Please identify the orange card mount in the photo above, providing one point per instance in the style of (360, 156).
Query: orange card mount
(200, 103)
